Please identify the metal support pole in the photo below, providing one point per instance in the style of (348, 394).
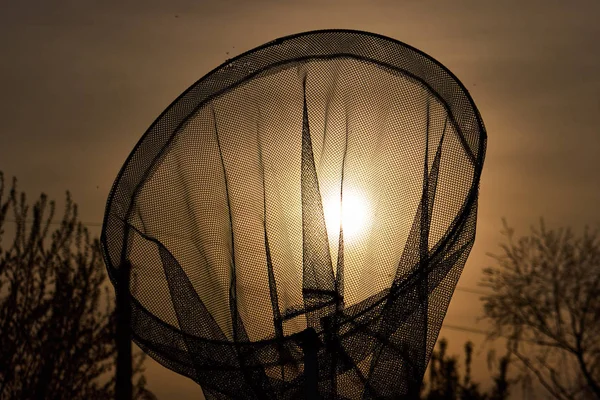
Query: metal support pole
(310, 343)
(124, 387)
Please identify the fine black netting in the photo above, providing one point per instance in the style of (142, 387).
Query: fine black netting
(316, 195)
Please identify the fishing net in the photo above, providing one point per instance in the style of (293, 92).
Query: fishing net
(301, 216)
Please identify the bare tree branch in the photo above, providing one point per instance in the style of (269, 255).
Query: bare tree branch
(545, 294)
(56, 317)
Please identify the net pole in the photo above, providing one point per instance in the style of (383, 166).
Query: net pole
(309, 341)
(124, 387)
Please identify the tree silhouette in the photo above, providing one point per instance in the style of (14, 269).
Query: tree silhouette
(56, 315)
(546, 301)
(444, 382)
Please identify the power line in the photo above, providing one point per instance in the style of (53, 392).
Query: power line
(29, 221)
(99, 224)
(465, 329)
(445, 326)
(472, 291)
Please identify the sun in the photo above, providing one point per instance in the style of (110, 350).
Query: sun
(355, 214)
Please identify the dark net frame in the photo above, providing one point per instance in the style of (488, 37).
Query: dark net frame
(238, 277)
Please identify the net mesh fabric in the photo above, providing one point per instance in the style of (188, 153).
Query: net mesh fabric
(325, 181)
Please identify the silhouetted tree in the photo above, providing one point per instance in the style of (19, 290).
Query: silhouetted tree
(444, 382)
(56, 315)
(546, 301)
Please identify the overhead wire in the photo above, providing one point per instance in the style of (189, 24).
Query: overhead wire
(445, 326)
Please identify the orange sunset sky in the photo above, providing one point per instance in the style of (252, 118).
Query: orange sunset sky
(81, 81)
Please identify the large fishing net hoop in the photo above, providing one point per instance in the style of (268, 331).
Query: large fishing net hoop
(322, 187)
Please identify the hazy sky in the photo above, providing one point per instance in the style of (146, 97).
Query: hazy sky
(80, 82)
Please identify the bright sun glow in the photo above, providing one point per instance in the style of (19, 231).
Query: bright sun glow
(355, 212)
